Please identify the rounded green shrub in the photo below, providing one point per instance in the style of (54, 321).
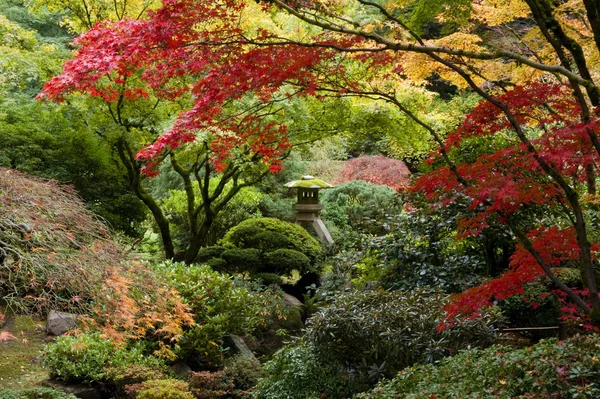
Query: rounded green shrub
(549, 369)
(244, 235)
(267, 245)
(283, 260)
(242, 259)
(208, 253)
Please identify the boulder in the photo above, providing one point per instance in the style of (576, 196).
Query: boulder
(182, 370)
(241, 346)
(59, 323)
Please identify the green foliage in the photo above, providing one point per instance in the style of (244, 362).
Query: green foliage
(222, 306)
(90, 358)
(53, 140)
(302, 372)
(163, 389)
(242, 260)
(361, 337)
(536, 307)
(35, 393)
(268, 245)
(243, 372)
(268, 278)
(423, 250)
(358, 205)
(208, 253)
(382, 332)
(283, 260)
(550, 369)
(242, 206)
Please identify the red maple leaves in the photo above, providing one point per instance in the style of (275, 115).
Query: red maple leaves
(511, 180)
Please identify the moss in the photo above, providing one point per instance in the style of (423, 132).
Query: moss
(20, 366)
(312, 183)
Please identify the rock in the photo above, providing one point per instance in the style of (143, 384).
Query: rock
(59, 323)
(81, 391)
(292, 301)
(242, 347)
(182, 370)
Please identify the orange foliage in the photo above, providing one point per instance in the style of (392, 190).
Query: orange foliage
(134, 304)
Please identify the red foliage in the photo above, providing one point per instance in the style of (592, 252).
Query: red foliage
(376, 169)
(503, 183)
(135, 59)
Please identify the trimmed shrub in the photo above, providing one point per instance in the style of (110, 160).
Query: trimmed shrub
(549, 369)
(283, 260)
(208, 253)
(267, 245)
(298, 238)
(241, 260)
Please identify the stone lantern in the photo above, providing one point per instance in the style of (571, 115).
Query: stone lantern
(308, 208)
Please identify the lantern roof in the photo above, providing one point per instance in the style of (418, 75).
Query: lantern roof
(308, 182)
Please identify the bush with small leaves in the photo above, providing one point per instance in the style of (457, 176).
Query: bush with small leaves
(160, 389)
(549, 369)
(379, 332)
(90, 358)
(222, 305)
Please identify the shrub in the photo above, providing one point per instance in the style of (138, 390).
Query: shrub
(55, 252)
(358, 205)
(210, 385)
(244, 373)
(35, 393)
(549, 369)
(282, 261)
(221, 306)
(298, 238)
(380, 332)
(160, 389)
(266, 245)
(300, 371)
(362, 337)
(90, 358)
(208, 253)
(241, 260)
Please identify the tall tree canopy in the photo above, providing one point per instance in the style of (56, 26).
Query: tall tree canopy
(532, 62)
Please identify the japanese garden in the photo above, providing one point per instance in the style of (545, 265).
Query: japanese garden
(299, 199)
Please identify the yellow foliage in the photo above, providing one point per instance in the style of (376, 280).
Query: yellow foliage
(85, 13)
(497, 12)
